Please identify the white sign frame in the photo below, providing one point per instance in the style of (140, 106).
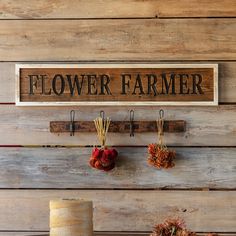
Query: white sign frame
(117, 103)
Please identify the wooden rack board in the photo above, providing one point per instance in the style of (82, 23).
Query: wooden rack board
(173, 126)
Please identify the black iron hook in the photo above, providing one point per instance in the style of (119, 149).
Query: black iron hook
(72, 123)
(161, 114)
(102, 115)
(131, 125)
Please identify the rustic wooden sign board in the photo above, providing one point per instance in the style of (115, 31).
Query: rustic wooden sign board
(116, 84)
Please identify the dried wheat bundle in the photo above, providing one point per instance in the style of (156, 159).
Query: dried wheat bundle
(102, 126)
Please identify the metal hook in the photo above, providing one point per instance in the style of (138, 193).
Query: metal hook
(160, 123)
(72, 123)
(131, 126)
(161, 113)
(102, 115)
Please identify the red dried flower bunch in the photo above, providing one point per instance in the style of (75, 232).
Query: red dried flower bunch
(103, 158)
(160, 157)
(174, 227)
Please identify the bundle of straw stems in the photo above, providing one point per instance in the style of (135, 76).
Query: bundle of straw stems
(102, 126)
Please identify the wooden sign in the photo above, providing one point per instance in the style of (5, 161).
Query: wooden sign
(116, 84)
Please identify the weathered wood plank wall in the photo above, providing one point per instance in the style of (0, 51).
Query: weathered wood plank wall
(62, 168)
(87, 31)
(95, 234)
(138, 210)
(227, 82)
(206, 126)
(122, 39)
(119, 9)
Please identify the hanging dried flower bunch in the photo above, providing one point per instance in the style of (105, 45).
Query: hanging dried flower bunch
(103, 158)
(173, 227)
(159, 155)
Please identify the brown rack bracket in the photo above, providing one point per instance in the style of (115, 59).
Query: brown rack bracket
(172, 126)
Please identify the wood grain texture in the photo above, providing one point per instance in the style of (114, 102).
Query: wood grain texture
(26, 233)
(121, 210)
(227, 82)
(151, 39)
(110, 40)
(33, 9)
(140, 83)
(214, 126)
(170, 126)
(199, 168)
(96, 234)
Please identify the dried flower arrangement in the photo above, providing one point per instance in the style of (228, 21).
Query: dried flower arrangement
(171, 227)
(103, 158)
(159, 155)
(174, 227)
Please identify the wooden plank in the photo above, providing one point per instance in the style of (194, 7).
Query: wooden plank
(116, 84)
(24, 234)
(227, 82)
(133, 210)
(11, 9)
(196, 168)
(96, 234)
(7, 79)
(151, 39)
(206, 126)
(170, 126)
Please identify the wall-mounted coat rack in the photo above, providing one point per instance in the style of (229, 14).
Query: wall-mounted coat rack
(172, 126)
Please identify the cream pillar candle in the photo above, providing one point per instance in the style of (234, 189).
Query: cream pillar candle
(71, 217)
